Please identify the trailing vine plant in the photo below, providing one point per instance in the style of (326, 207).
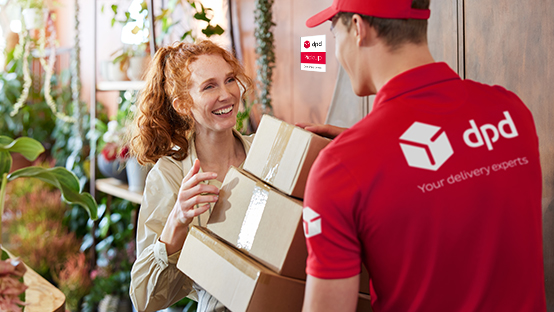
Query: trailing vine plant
(23, 50)
(265, 49)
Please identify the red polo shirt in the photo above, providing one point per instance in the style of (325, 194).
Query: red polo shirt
(438, 192)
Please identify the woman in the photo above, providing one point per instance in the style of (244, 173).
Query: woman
(185, 125)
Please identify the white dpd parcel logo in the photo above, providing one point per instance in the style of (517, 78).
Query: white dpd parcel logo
(425, 146)
(311, 222)
(474, 136)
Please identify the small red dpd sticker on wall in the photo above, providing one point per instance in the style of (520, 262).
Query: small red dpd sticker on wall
(312, 53)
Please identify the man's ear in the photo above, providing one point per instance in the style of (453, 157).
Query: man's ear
(363, 32)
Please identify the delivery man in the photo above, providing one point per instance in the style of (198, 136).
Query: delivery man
(437, 191)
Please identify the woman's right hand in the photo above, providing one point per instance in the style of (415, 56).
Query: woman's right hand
(192, 193)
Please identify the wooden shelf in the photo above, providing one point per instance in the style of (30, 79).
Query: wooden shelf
(115, 187)
(120, 85)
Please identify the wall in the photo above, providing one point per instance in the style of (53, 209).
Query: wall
(297, 95)
(510, 43)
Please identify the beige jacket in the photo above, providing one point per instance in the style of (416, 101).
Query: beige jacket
(156, 283)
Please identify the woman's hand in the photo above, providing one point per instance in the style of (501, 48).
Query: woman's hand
(327, 131)
(191, 194)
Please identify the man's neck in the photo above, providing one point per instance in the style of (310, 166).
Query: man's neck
(385, 65)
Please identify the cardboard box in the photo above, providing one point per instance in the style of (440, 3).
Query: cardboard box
(282, 155)
(237, 281)
(262, 222)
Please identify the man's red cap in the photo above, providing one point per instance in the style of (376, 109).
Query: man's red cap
(397, 9)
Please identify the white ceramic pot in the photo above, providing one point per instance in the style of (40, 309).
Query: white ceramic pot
(34, 18)
(112, 169)
(136, 175)
(115, 73)
(137, 67)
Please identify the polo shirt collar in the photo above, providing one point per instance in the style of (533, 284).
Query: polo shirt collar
(414, 79)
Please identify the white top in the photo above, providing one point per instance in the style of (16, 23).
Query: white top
(156, 283)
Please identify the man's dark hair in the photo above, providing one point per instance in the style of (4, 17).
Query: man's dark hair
(395, 32)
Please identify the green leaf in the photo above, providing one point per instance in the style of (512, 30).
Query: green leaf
(5, 162)
(212, 30)
(29, 148)
(104, 226)
(201, 17)
(65, 181)
(185, 35)
(114, 8)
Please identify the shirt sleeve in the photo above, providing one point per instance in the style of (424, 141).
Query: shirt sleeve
(331, 199)
(156, 283)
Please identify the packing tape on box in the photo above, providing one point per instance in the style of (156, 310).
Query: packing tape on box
(220, 248)
(277, 150)
(253, 216)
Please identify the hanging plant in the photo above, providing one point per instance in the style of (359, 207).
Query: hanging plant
(265, 49)
(200, 13)
(23, 50)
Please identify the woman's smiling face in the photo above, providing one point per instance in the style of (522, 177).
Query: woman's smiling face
(215, 93)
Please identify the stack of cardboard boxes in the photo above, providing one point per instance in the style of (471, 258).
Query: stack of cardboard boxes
(252, 255)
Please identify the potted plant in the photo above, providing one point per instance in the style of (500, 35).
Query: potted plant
(33, 40)
(33, 13)
(130, 62)
(59, 177)
(116, 255)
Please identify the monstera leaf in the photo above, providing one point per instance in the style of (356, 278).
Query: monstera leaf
(59, 177)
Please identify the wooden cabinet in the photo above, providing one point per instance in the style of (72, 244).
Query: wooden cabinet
(508, 43)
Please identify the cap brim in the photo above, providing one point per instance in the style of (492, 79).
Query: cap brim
(321, 17)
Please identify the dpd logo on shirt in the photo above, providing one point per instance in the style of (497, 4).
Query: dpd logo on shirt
(427, 147)
(311, 222)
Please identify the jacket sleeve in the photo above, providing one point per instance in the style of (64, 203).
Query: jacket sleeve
(156, 283)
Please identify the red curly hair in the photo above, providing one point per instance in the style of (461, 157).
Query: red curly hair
(158, 127)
